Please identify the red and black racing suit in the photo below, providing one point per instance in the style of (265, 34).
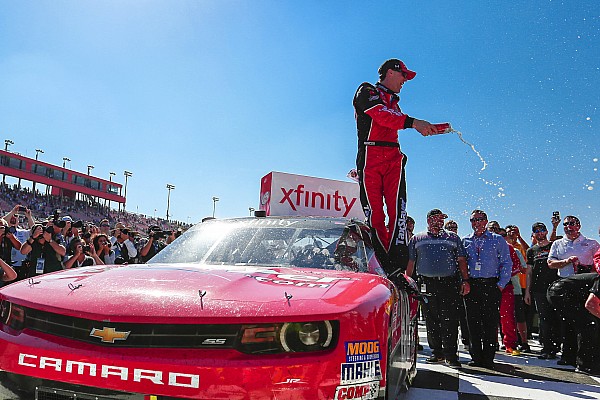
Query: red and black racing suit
(380, 165)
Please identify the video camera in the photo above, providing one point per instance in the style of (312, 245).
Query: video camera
(7, 229)
(56, 219)
(161, 235)
(156, 233)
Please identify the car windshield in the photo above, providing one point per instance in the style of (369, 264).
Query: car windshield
(308, 243)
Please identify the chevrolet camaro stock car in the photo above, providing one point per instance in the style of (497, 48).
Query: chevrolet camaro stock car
(247, 308)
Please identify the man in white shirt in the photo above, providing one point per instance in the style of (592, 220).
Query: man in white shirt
(574, 253)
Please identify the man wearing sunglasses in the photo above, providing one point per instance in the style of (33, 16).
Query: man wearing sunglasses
(438, 257)
(380, 163)
(572, 255)
(539, 277)
(490, 266)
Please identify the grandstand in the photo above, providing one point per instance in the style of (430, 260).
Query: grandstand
(81, 196)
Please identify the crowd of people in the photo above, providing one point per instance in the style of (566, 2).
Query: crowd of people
(492, 280)
(43, 233)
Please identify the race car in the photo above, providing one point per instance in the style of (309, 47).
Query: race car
(245, 308)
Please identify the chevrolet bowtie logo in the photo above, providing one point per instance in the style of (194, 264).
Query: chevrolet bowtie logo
(109, 335)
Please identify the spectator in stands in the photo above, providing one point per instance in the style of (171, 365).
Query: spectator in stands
(155, 243)
(8, 241)
(102, 246)
(45, 253)
(105, 227)
(21, 235)
(81, 255)
(123, 247)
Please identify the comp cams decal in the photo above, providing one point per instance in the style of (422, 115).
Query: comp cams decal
(363, 391)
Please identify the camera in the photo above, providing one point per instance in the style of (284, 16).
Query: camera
(22, 209)
(77, 224)
(49, 229)
(86, 249)
(160, 234)
(556, 215)
(9, 229)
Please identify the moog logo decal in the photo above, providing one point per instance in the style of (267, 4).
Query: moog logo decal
(366, 350)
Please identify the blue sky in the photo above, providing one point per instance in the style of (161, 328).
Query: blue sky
(212, 95)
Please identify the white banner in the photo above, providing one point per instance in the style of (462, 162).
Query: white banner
(289, 194)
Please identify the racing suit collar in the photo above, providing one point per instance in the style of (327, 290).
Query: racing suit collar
(392, 94)
(385, 89)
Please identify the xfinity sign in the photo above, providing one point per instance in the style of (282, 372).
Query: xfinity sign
(287, 194)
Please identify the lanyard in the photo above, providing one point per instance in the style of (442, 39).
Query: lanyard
(479, 242)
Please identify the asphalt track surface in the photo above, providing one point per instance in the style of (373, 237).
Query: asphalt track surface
(515, 377)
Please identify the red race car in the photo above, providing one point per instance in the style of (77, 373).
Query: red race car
(249, 308)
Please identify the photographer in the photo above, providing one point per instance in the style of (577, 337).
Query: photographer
(102, 247)
(21, 235)
(81, 255)
(8, 273)
(44, 251)
(124, 248)
(8, 241)
(155, 243)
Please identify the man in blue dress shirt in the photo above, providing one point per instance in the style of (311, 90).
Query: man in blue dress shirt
(489, 262)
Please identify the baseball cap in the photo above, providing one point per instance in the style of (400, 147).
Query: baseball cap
(436, 211)
(119, 226)
(538, 225)
(396, 65)
(67, 218)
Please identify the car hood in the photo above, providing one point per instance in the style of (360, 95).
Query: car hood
(163, 293)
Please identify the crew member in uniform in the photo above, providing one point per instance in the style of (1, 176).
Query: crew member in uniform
(437, 255)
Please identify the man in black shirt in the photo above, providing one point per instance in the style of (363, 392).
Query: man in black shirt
(539, 278)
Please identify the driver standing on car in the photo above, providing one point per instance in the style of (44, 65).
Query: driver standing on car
(380, 163)
(437, 255)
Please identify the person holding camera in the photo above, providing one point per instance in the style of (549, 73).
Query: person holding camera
(81, 255)
(123, 247)
(44, 251)
(8, 241)
(155, 243)
(21, 235)
(102, 246)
